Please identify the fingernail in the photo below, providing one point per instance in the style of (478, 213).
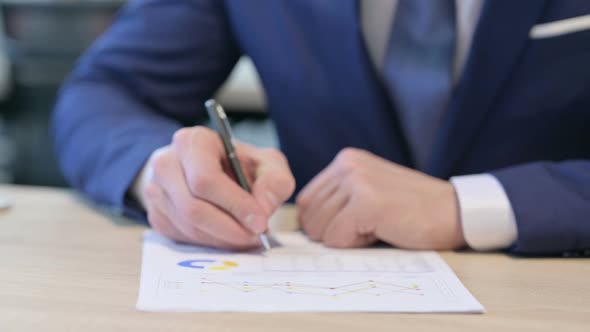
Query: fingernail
(255, 223)
(272, 199)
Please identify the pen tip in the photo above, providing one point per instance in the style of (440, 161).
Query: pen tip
(210, 103)
(265, 242)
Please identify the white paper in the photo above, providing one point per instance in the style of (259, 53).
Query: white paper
(298, 276)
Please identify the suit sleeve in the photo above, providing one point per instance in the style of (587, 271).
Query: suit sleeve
(551, 203)
(147, 76)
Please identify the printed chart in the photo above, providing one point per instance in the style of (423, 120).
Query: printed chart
(290, 278)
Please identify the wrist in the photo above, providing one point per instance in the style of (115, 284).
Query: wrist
(137, 192)
(453, 218)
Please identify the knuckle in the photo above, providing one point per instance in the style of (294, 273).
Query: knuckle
(160, 161)
(346, 160)
(189, 136)
(160, 151)
(275, 154)
(348, 153)
(180, 136)
(201, 184)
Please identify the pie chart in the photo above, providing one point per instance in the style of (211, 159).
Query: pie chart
(209, 264)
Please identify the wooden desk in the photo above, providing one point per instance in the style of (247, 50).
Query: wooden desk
(65, 267)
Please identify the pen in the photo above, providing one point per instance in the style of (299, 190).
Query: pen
(218, 117)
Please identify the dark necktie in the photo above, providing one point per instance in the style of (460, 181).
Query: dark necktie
(418, 68)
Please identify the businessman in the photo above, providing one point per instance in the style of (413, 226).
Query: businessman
(425, 124)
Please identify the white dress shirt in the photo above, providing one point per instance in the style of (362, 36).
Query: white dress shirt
(486, 214)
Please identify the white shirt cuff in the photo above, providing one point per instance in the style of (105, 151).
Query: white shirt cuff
(486, 214)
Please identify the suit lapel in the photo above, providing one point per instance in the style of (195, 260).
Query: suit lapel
(499, 40)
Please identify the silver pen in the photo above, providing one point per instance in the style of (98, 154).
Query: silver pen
(219, 119)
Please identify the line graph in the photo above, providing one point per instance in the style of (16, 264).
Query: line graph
(368, 287)
(249, 286)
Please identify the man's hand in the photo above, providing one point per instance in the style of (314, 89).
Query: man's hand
(361, 198)
(191, 196)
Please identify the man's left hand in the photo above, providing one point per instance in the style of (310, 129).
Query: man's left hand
(361, 198)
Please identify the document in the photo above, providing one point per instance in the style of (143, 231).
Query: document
(297, 275)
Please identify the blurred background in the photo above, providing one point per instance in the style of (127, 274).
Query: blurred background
(41, 41)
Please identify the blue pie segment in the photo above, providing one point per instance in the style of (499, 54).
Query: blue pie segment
(196, 263)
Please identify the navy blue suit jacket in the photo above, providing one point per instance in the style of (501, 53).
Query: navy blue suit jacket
(521, 109)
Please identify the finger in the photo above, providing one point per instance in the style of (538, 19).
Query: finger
(273, 181)
(202, 219)
(345, 162)
(163, 220)
(316, 184)
(194, 216)
(317, 201)
(171, 231)
(343, 232)
(315, 222)
(218, 189)
(348, 161)
(158, 219)
(201, 159)
(308, 215)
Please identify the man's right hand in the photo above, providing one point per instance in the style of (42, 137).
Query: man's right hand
(190, 194)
